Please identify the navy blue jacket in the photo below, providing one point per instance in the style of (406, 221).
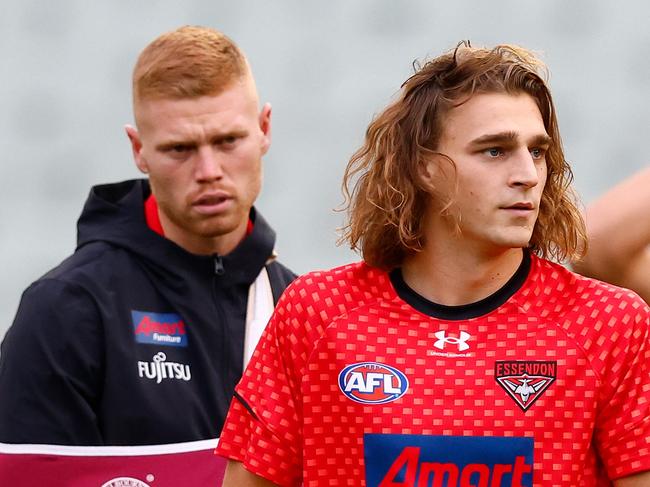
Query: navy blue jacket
(131, 340)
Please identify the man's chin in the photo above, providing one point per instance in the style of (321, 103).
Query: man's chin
(216, 229)
(216, 225)
(513, 241)
(519, 243)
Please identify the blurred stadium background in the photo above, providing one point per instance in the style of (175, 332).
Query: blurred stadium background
(326, 67)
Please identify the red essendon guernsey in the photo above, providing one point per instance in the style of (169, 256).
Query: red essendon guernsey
(360, 381)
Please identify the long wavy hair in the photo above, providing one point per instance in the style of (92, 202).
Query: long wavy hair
(385, 194)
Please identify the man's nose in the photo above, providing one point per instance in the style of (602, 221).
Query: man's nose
(208, 164)
(525, 169)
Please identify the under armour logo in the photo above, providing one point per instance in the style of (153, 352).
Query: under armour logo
(444, 339)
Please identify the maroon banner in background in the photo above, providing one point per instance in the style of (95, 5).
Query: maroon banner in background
(184, 464)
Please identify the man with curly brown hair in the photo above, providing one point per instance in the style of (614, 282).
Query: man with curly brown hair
(456, 354)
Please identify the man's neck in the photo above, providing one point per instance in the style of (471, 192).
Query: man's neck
(200, 245)
(455, 276)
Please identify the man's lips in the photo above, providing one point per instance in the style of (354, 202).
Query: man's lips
(212, 202)
(520, 205)
(519, 208)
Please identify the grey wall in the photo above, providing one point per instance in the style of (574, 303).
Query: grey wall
(326, 67)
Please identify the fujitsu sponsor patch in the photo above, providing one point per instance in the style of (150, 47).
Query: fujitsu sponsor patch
(449, 461)
(159, 369)
(525, 381)
(159, 328)
(372, 383)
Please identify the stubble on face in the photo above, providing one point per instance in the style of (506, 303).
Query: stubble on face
(203, 158)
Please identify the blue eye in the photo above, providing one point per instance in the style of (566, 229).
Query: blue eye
(537, 153)
(494, 152)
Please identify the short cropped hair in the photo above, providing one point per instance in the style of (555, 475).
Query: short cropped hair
(385, 194)
(188, 62)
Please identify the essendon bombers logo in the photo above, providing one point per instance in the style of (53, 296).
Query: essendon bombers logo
(372, 383)
(525, 381)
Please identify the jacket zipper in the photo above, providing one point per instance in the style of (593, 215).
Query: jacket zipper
(218, 265)
(219, 271)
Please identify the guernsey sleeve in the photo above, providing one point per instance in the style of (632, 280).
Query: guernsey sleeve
(622, 430)
(263, 427)
(51, 368)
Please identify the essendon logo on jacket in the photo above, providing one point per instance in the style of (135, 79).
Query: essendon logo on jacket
(159, 328)
(450, 461)
(525, 381)
(372, 383)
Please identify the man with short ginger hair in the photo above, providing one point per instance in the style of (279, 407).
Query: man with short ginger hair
(139, 338)
(455, 354)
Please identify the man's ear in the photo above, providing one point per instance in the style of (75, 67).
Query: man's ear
(438, 171)
(428, 171)
(136, 147)
(265, 127)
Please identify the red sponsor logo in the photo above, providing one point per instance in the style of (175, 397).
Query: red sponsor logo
(408, 471)
(147, 326)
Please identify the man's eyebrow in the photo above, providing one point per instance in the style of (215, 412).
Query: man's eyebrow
(190, 142)
(508, 138)
(499, 138)
(233, 132)
(542, 140)
(171, 143)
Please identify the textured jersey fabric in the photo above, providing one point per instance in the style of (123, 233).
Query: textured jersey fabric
(131, 340)
(360, 381)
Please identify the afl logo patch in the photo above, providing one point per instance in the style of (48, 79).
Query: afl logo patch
(372, 383)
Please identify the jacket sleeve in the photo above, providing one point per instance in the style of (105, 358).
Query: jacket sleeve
(51, 363)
